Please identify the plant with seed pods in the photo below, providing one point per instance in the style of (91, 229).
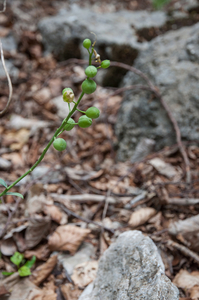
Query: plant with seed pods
(88, 87)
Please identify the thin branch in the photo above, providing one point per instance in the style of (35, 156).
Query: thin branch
(184, 250)
(8, 78)
(71, 213)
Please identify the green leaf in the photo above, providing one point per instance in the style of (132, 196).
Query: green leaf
(17, 258)
(24, 271)
(31, 262)
(158, 4)
(7, 273)
(14, 194)
(2, 182)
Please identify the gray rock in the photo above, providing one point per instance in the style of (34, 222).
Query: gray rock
(115, 34)
(172, 64)
(12, 70)
(131, 269)
(63, 34)
(69, 262)
(9, 43)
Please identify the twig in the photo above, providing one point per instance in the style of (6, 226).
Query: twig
(168, 111)
(71, 213)
(184, 250)
(83, 198)
(182, 201)
(8, 78)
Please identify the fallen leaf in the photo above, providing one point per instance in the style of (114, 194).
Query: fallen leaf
(8, 247)
(163, 168)
(41, 252)
(85, 273)
(187, 229)
(194, 293)
(186, 280)
(141, 216)
(67, 238)
(56, 214)
(43, 271)
(70, 292)
(24, 290)
(37, 229)
(3, 291)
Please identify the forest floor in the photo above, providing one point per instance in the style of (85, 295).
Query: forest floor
(85, 185)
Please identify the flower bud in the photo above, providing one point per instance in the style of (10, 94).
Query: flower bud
(68, 95)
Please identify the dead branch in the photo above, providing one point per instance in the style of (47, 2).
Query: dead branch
(71, 213)
(8, 78)
(168, 111)
(184, 250)
(182, 201)
(83, 198)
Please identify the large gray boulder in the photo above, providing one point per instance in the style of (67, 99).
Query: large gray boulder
(63, 33)
(172, 64)
(131, 269)
(116, 35)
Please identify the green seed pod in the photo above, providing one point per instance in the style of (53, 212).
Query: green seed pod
(59, 144)
(105, 64)
(70, 124)
(92, 112)
(87, 43)
(68, 95)
(91, 71)
(88, 86)
(84, 122)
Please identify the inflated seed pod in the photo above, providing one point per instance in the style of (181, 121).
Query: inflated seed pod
(89, 86)
(59, 144)
(69, 125)
(92, 112)
(84, 122)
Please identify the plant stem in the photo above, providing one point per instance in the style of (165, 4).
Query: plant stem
(47, 147)
(90, 57)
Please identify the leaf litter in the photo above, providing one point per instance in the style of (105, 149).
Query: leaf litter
(151, 196)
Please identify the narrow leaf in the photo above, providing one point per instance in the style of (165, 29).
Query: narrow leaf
(31, 262)
(7, 273)
(24, 271)
(2, 182)
(15, 194)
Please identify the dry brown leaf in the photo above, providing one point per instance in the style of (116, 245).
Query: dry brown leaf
(41, 252)
(67, 238)
(186, 280)
(8, 247)
(141, 216)
(3, 291)
(194, 293)
(188, 230)
(37, 229)
(163, 168)
(85, 273)
(43, 271)
(70, 292)
(56, 214)
(24, 290)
